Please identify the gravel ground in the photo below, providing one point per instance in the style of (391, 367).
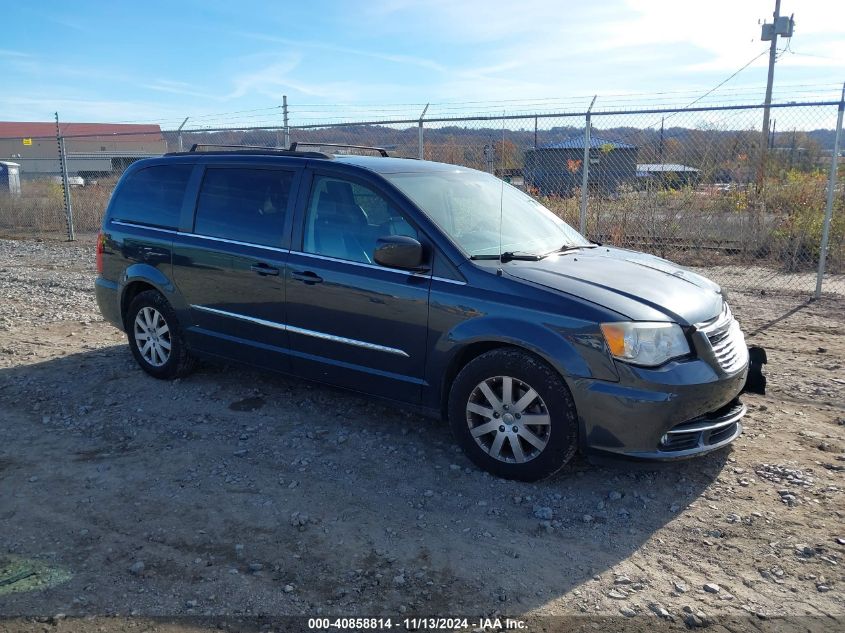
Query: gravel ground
(241, 494)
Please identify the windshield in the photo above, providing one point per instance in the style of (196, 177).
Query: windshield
(468, 206)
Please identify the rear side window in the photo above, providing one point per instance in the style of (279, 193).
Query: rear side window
(243, 204)
(152, 196)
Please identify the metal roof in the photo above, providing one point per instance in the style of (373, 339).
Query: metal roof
(113, 154)
(661, 167)
(596, 142)
(47, 129)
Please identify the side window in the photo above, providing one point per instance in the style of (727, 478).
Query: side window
(152, 196)
(344, 220)
(244, 204)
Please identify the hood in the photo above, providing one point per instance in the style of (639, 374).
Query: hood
(641, 287)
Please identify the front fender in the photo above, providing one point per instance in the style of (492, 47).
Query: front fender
(574, 350)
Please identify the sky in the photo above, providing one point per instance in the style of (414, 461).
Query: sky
(230, 63)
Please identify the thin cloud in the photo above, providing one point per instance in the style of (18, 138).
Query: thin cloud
(42, 107)
(4, 52)
(179, 88)
(388, 57)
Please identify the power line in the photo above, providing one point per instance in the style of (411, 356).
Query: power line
(539, 100)
(719, 85)
(202, 116)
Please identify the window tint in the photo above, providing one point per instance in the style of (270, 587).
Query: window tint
(345, 219)
(242, 204)
(152, 196)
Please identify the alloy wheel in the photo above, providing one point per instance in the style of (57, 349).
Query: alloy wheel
(152, 336)
(508, 419)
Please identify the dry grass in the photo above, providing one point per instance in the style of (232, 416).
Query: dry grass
(40, 209)
(698, 226)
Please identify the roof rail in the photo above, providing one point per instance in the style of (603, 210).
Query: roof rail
(251, 149)
(380, 150)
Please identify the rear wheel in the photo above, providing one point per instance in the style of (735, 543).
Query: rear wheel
(513, 415)
(155, 337)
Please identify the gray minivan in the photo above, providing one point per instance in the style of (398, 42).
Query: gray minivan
(428, 284)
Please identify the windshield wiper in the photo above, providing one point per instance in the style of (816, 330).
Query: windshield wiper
(571, 247)
(508, 256)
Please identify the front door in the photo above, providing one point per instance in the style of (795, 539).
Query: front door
(230, 267)
(350, 321)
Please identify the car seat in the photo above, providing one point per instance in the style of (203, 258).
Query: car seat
(341, 228)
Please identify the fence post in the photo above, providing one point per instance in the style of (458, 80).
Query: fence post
(421, 145)
(285, 119)
(179, 131)
(585, 171)
(831, 187)
(60, 140)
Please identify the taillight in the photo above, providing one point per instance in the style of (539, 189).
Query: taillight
(101, 241)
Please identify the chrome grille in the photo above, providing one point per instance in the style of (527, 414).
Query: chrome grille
(726, 341)
(707, 430)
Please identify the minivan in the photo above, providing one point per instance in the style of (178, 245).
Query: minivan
(427, 284)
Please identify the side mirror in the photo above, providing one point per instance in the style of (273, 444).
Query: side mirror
(399, 251)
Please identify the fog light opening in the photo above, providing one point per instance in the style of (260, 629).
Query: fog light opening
(664, 440)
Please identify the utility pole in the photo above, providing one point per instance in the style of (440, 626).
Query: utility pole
(792, 149)
(780, 26)
(660, 149)
(489, 156)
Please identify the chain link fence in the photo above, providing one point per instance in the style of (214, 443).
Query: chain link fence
(698, 186)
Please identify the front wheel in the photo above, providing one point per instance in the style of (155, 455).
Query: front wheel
(513, 415)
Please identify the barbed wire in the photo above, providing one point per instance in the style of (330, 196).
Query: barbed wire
(338, 112)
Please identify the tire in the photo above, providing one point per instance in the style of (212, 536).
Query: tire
(151, 308)
(526, 451)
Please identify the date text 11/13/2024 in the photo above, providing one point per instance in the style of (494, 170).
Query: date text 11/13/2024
(416, 624)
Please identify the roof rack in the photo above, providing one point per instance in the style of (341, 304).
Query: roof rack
(252, 149)
(380, 150)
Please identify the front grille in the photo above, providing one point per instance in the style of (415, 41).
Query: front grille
(681, 442)
(720, 434)
(707, 430)
(726, 341)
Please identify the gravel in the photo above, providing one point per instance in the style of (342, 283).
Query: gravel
(129, 495)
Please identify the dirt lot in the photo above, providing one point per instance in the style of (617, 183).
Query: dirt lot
(236, 493)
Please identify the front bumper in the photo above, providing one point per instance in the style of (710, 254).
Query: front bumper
(706, 433)
(683, 409)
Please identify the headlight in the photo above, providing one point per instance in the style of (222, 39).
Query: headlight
(648, 344)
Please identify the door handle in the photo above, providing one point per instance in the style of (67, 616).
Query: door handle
(263, 269)
(306, 276)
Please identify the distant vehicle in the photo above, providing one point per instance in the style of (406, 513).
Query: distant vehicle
(72, 181)
(428, 284)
